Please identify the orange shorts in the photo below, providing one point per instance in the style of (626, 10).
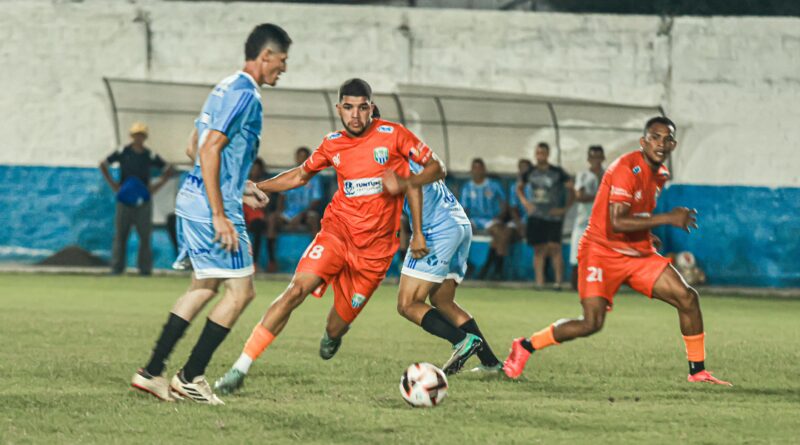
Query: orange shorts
(337, 262)
(601, 271)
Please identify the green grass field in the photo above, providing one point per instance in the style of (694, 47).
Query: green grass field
(71, 343)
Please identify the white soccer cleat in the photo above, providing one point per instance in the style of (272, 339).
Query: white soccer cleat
(197, 390)
(157, 386)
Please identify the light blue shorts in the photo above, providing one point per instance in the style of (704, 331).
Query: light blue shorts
(209, 259)
(447, 259)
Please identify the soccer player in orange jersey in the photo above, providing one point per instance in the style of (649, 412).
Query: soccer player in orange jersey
(358, 239)
(618, 248)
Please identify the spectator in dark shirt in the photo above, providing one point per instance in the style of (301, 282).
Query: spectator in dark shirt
(546, 193)
(134, 206)
(256, 219)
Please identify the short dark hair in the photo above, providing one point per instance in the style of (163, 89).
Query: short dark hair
(659, 120)
(478, 161)
(266, 34)
(596, 148)
(544, 145)
(260, 162)
(355, 87)
(305, 149)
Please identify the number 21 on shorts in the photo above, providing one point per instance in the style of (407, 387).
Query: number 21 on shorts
(313, 251)
(595, 275)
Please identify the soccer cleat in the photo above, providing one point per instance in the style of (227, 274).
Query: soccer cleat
(705, 376)
(197, 390)
(462, 351)
(230, 382)
(156, 386)
(328, 346)
(516, 360)
(483, 369)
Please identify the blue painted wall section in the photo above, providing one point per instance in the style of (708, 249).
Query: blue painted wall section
(749, 236)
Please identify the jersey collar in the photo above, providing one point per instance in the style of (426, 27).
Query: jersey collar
(249, 77)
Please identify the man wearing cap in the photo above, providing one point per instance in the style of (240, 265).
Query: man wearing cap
(134, 206)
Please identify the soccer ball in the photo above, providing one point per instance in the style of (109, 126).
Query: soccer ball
(423, 384)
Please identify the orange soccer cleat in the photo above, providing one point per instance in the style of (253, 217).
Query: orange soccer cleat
(516, 360)
(705, 376)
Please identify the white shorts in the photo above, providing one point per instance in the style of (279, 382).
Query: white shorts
(447, 259)
(209, 259)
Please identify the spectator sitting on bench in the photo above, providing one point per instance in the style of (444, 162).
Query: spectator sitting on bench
(297, 209)
(485, 204)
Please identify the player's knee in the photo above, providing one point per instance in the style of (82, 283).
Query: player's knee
(294, 295)
(688, 299)
(592, 326)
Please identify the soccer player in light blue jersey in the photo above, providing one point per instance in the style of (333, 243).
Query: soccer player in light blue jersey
(435, 264)
(211, 225)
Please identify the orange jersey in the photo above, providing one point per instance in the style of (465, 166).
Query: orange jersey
(631, 181)
(360, 209)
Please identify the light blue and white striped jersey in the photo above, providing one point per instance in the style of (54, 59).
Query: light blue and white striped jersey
(297, 200)
(233, 107)
(483, 201)
(439, 207)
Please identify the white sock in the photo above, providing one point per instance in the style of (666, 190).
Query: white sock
(243, 363)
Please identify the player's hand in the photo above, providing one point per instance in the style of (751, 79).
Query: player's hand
(656, 241)
(530, 208)
(684, 218)
(254, 197)
(225, 233)
(393, 184)
(418, 246)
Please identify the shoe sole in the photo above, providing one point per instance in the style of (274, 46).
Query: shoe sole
(147, 391)
(455, 367)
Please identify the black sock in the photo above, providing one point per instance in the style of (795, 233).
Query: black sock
(498, 269)
(484, 352)
(489, 262)
(271, 249)
(170, 334)
(695, 367)
(213, 334)
(434, 323)
(526, 343)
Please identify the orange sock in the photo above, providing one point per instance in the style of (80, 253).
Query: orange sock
(259, 340)
(695, 347)
(544, 338)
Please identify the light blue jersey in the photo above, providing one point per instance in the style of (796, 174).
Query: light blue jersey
(483, 201)
(447, 232)
(233, 107)
(299, 199)
(439, 207)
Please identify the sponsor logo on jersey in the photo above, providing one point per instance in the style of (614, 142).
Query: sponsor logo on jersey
(362, 187)
(194, 180)
(200, 251)
(620, 192)
(332, 136)
(205, 118)
(381, 155)
(358, 300)
(636, 170)
(385, 129)
(336, 160)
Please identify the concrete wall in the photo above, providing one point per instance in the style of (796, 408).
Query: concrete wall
(730, 83)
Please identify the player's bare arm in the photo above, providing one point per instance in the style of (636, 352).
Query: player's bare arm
(288, 180)
(191, 146)
(111, 182)
(622, 221)
(529, 206)
(433, 170)
(253, 197)
(418, 245)
(210, 155)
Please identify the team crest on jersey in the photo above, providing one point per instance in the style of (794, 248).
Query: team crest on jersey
(336, 160)
(333, 136)
(636, 170)
(381, 155)
(385, 129)
(358, 300)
